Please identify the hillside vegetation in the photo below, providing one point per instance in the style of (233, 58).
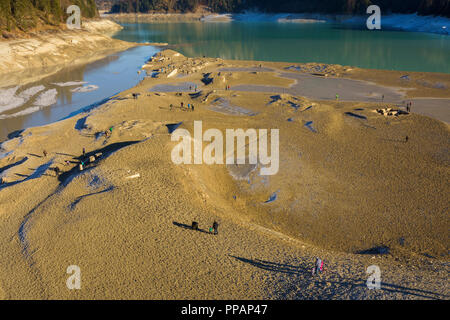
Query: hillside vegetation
(24, 15)
(423, 7)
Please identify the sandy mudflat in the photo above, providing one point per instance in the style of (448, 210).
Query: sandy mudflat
(436, 108)
(350, 185)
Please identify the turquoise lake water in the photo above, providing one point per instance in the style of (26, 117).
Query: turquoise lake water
(267, 41)
(294, 42)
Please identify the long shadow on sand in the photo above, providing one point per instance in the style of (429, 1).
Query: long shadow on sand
(185, 226)
(393, 140)
(275, 267)
(38, 172)
(2, 169)
(34, 155)
(341, 284)
(66, 177)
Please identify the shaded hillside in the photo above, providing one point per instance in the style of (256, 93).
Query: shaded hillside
(423, 7)
(23, 15)
(104, 5)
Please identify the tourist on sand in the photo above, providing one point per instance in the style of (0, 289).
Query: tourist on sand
(182, 105)
(45, 153)
(318, 266)
(215, 227)
(189, 106)
(409, 106)
(337, 96)
(84, 152)
(192, 107)
(406, 139)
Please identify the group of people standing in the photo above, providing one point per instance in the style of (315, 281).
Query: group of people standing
(318, 264)
(213, 230)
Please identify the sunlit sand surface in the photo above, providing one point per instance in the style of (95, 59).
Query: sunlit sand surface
(350, 190)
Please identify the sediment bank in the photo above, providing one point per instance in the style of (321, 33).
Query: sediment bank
(30, 59)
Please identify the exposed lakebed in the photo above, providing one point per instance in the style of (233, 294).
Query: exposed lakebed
(70, 90)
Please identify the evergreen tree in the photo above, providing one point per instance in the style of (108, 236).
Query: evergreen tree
(26, 14)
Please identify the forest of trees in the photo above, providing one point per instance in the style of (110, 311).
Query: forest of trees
(26, 14)
(423, 7)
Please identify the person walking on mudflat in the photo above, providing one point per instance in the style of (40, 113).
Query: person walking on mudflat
(318, 266)
(215, 227)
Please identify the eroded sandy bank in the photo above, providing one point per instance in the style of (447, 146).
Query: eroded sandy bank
(29, 59)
